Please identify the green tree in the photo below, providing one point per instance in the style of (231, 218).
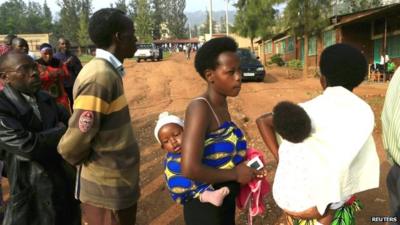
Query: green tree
(222, 23)
(157, 6)
(32, 21)
(47, 21)
(143, 21)
(195, 31)
(69, 19)
(255, 18)
(121, 4)
(350, 6)
(306, 18)
(12, 15)
(205, 29)
(19, 17)
(175, 18)
(85, 11)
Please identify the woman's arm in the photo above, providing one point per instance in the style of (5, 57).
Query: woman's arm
(196, 123)
(266, 129)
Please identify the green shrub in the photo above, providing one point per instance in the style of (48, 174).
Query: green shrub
(277, 59)
(84, 58)
(295, 64)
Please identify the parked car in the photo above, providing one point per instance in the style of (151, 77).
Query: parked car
(148, 51)
(251, 67)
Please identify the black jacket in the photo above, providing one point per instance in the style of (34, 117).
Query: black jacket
(41, 182)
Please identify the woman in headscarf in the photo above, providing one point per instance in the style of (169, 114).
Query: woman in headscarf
(52, 73)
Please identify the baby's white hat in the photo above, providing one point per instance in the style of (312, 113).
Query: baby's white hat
(166, 118)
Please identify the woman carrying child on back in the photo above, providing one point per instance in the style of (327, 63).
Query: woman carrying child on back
(214, 148)
(335, 157)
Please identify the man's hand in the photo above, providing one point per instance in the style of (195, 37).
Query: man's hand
(69, 60)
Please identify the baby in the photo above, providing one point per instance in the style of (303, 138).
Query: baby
(168, 132)
(293, 124)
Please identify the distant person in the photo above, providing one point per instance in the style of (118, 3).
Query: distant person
(384, 58)
(31, 125)
(6, 47)
(73, 63)
(168, 132)
(391, 142)
(100, 139)
(340, 152)
(21, 45)
(188, 49)
(53, 73)
(214, 147)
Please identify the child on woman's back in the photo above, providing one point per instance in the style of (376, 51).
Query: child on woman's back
(293, 124)
(168, 132)
(339, 156)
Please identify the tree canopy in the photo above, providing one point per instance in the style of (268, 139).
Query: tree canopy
(255, 18)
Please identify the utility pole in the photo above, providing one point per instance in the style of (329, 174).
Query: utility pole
(226, 17)
(210, 19)
(190, 30)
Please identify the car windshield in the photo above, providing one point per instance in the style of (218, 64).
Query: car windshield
(245, 54)
(144, 46)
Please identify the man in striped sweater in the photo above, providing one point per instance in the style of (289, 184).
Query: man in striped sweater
(100, 138)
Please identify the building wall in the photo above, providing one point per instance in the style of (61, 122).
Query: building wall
(34, 41)
(359, 36)
(313, 61)
(243, 42)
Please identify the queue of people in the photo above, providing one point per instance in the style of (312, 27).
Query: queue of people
(70, 154)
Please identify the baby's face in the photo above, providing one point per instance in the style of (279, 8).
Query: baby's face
(170, 136)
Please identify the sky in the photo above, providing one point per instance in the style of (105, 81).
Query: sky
(191, 5)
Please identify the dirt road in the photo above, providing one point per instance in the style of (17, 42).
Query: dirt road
(153, 87)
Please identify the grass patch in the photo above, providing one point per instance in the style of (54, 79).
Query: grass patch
(166, 54)
(85, 58)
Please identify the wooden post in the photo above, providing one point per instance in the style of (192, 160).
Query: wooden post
(384, 51)
(305, 69)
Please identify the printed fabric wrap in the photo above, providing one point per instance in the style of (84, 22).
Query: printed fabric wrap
(343, 216)
(224, 149)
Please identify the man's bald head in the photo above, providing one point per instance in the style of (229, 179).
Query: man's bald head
(63, 44)
(9, 59)
(20, 72)
(20, 44)
(8, 39)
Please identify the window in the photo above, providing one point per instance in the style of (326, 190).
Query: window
(329, 38)
(393, 46)
(290, 47)
(312, 46)
(280, 47)
(268, 47)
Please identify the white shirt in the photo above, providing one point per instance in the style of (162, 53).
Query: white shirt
(337, 160)
(384, 59)
(103, 54)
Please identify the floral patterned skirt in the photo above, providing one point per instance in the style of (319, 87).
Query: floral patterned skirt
(343, 215)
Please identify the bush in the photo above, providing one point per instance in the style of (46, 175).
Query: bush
(277, 59)
(295, 64)
(85, 58)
